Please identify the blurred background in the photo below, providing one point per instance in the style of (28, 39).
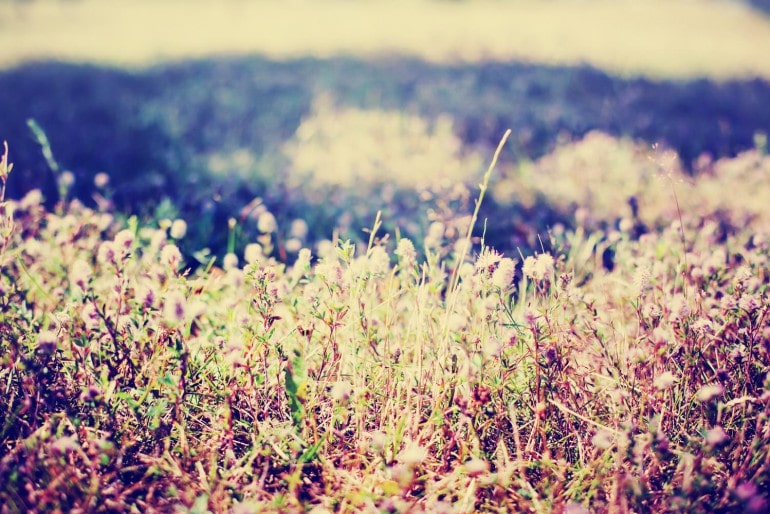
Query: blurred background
(319, 113)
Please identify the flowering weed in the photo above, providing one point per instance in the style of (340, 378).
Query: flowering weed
(393, 376)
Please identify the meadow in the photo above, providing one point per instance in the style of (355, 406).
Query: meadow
(519, 270)
(399, 376)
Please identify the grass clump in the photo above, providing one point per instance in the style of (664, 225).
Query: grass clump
(373, 379)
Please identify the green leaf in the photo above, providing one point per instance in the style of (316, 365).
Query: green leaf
(311, 452)
(296, 389)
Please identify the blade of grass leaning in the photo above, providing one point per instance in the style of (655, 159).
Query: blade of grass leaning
(452, 291)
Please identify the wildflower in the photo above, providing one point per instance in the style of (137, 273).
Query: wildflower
(728, 303)
(124, 240)
(405, 252)
(413, 454)
(697, 273)
(626, 225)
(378, 440)
(174, 308)
(641, 280)
(544, 265)
(476, 467)
(32, 199)
(90, 316)
(157, 240)
(230, 261)
(492, 349)
(715, 262)
(504, 274)
(379, 261)
(466, 272)
(101, 180)
(302, 264)
(456, 323)
(330, 272)
(252, 253)
(702, 326)
(435, 234)
(651, 311)
(602, 439)
(46, 342)
(234, 277)
(325, 248)
(178, 229)
(488, 261)
(665, 381)
(298, 229)
(67, 179)
(292, 245)
(709, 392)
(742, 275)
(661, 336)
(530, 317)
(80, 274)
(266, 223)
(171, 256)
(749, 302)
(491, 304)
(106, 253)
(341, 391)
(538, 268)
(679, 308)
(716, 436)
(146, 296)
(528, 268)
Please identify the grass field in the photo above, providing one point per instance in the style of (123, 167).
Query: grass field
(284, 283)
(657, 38)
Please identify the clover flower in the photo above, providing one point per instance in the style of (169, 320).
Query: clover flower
(379, 261)
(101, 180)
(106, 253)
(292, 245)
(123, 242)
(298, 229)
(330, 272)
(665, 380)
(641, 280)
(413, 454)
(145, 293)
(171, 256)
(406, 253)
(252, 253)
(341, 391)
(435, 235)
(710, 392)
(80, 274)
(749, 302)
(266, 223)
(178, 229)
(504, 274)
(174, 308)
(716, 436)
(476, 467)
(230, 261)
(32, 199)
(538, 268)
(46, 342)
(603, 439)
(90, 316)
(488, 260)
